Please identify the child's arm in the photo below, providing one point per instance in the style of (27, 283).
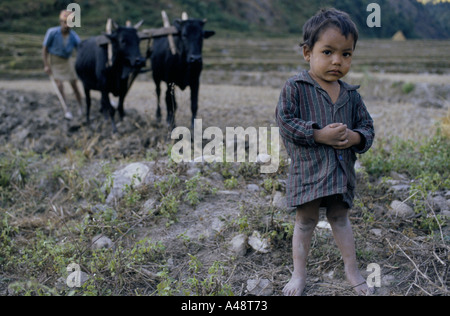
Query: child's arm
(363, 125)
(292, 128)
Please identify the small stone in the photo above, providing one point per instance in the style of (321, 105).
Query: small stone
(253, 187)
(280, 202)
(401, 209)
(259, 287)
(258, 243)
(439, 203)
(101, 242)
(132, 175)
(376, 231)
(239, 244)
(324, 225)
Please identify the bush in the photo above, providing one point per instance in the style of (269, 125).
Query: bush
(417, 159)
(408, 87)
(426, 162)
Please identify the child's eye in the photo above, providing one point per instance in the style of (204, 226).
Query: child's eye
(327, 52)
(347, 54)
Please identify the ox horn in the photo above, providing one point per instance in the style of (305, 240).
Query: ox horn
(109, 25)
(184, 16)
(138, 24)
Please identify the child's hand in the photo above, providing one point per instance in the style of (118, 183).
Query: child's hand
(335, 135)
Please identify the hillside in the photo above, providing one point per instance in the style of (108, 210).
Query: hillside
(269, 17)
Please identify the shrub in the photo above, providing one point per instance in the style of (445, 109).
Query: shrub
(408, 87)
(416, 158)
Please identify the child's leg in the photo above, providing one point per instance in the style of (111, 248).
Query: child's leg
(306, 221)
(337, 215)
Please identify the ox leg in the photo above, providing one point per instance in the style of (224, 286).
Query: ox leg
(171, 105)
(108, 109)
(194, 102)
(125, 86)
(158, 104)
(87, 93)
(120, 108)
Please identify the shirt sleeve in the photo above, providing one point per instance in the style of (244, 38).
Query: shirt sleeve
(292, 128)
(364, 126)
(48, 39)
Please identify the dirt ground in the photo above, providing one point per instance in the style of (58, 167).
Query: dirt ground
(31, 119)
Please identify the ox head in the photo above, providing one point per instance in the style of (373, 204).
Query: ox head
(192, 35)
(125, 45)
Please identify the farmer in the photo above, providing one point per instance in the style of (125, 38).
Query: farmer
(324, 123)
(58, 46)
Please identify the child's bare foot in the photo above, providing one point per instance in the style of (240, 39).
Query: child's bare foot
(295, 287)
(359, 283)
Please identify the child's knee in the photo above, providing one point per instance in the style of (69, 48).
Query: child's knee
(306, 223)
(337, 217)
(308, 216)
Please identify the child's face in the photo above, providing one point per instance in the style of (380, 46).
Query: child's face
(331, 57)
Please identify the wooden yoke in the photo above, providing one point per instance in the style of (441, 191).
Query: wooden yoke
(167, 30)
(150, 33)
(166, 24)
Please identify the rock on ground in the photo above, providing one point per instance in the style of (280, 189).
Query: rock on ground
(132, 175)
(401, 209)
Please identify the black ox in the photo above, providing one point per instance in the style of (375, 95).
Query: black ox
(110, 74)
(181, 69)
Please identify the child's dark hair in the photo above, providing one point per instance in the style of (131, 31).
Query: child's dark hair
(328, 18)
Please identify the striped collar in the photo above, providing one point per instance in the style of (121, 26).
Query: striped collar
(305, 77)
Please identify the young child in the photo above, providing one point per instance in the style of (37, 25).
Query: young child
(324, 123)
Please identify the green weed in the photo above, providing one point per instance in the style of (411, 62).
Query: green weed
(408, 87)
(426, 162)
(414, 158)
(231, 183)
